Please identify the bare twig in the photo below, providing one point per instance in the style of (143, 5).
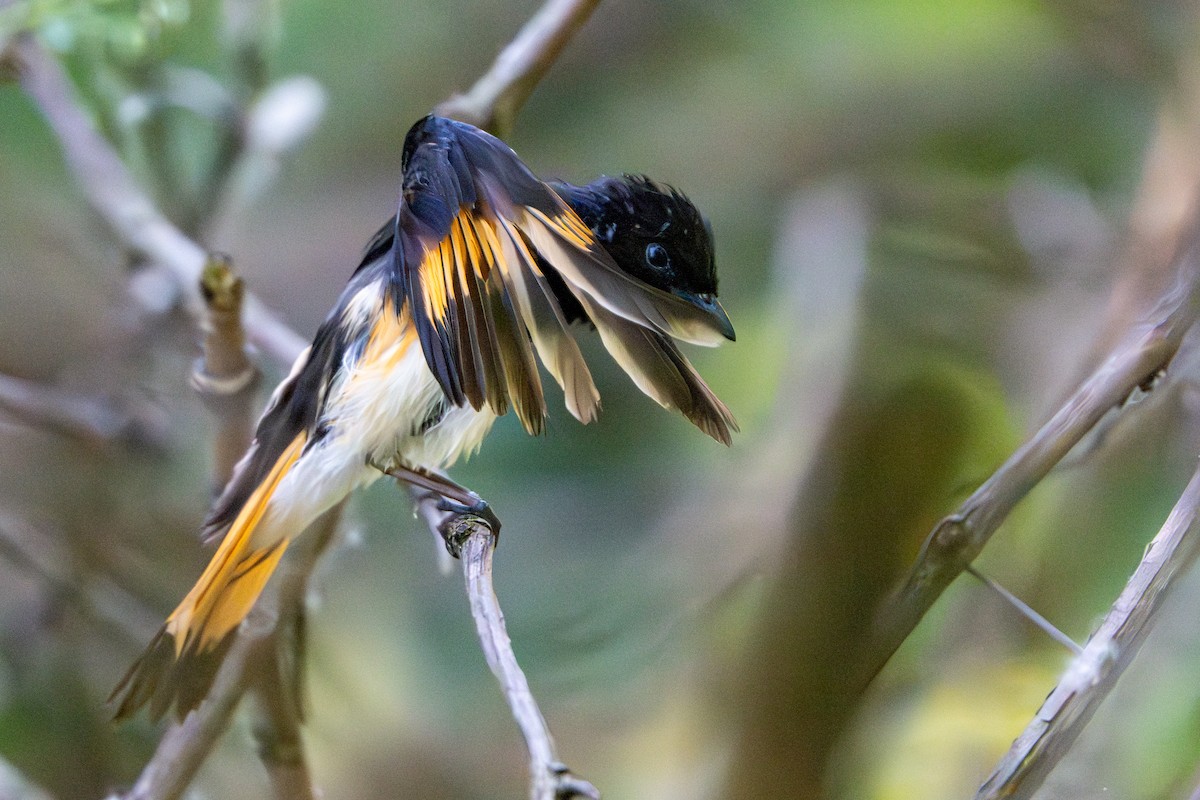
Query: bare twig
(549, 778)
(19, 546)
(225, 376)
(1093, 673)
(493, 103)
(1025, 610)
(959, 538)
(92, 419)
(496, 98)
(115, 195)
(183, 748)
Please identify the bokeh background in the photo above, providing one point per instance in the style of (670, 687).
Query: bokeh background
(921, 209)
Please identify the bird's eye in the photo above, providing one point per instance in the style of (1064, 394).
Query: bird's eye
(656, 256)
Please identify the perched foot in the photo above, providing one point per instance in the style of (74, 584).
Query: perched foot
(454, 533)
(568, 787)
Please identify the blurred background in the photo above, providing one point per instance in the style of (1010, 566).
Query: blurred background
(928, 214)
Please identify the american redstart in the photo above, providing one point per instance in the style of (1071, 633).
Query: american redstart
(482, 267)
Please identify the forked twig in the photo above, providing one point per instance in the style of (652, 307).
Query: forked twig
(958, 539)
(184, 747)
(115, 195)
(1093, 673)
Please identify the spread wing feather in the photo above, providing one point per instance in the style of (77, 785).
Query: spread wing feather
(472, 223)
(658, 368)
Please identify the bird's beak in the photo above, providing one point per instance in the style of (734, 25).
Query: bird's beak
(708, 303)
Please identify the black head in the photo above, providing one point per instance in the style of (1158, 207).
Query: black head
(653, 233)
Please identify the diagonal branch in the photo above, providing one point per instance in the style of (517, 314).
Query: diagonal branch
(958, 539)
(184, 747)
(115, 195)
(1092, 674)
(496, 98)
(94, 420)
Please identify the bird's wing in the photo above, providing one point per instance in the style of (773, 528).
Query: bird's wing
(472, 221)
(658, 368)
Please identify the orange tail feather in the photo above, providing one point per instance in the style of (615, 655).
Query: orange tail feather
(181, 662)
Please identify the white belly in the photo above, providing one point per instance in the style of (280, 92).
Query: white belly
(374, 417)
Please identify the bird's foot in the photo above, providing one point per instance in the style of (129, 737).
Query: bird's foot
(570, 787)
(456, 528)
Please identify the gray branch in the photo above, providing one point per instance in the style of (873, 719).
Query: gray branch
(549, 778)
(114, 194)
(92, 419)
(186, 745)
(496, 98)
(954, 543)
(1092, 674)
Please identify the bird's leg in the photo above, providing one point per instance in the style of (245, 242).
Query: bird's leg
(455, 499)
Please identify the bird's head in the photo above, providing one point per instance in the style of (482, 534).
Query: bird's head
(655, 234)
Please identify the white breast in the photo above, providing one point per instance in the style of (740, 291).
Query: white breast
(374, 416)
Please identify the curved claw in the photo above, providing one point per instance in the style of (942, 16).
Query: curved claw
(455, 534)
(570, 787)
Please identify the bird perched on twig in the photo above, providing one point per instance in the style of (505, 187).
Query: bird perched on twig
(434, 337)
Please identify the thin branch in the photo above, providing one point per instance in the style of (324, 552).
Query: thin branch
(186, 745)
(549, 778)
(1091, 675)
(225, 376)
(94, 420)
(17, 546)
(959, 538)
(1025, 610)
(493, 103)
(496, 98)
(115, 195)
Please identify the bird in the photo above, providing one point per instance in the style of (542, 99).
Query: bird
(484, 270)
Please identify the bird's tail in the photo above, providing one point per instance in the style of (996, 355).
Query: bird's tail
(181, 662)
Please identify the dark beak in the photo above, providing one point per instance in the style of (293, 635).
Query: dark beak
(708, 303)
